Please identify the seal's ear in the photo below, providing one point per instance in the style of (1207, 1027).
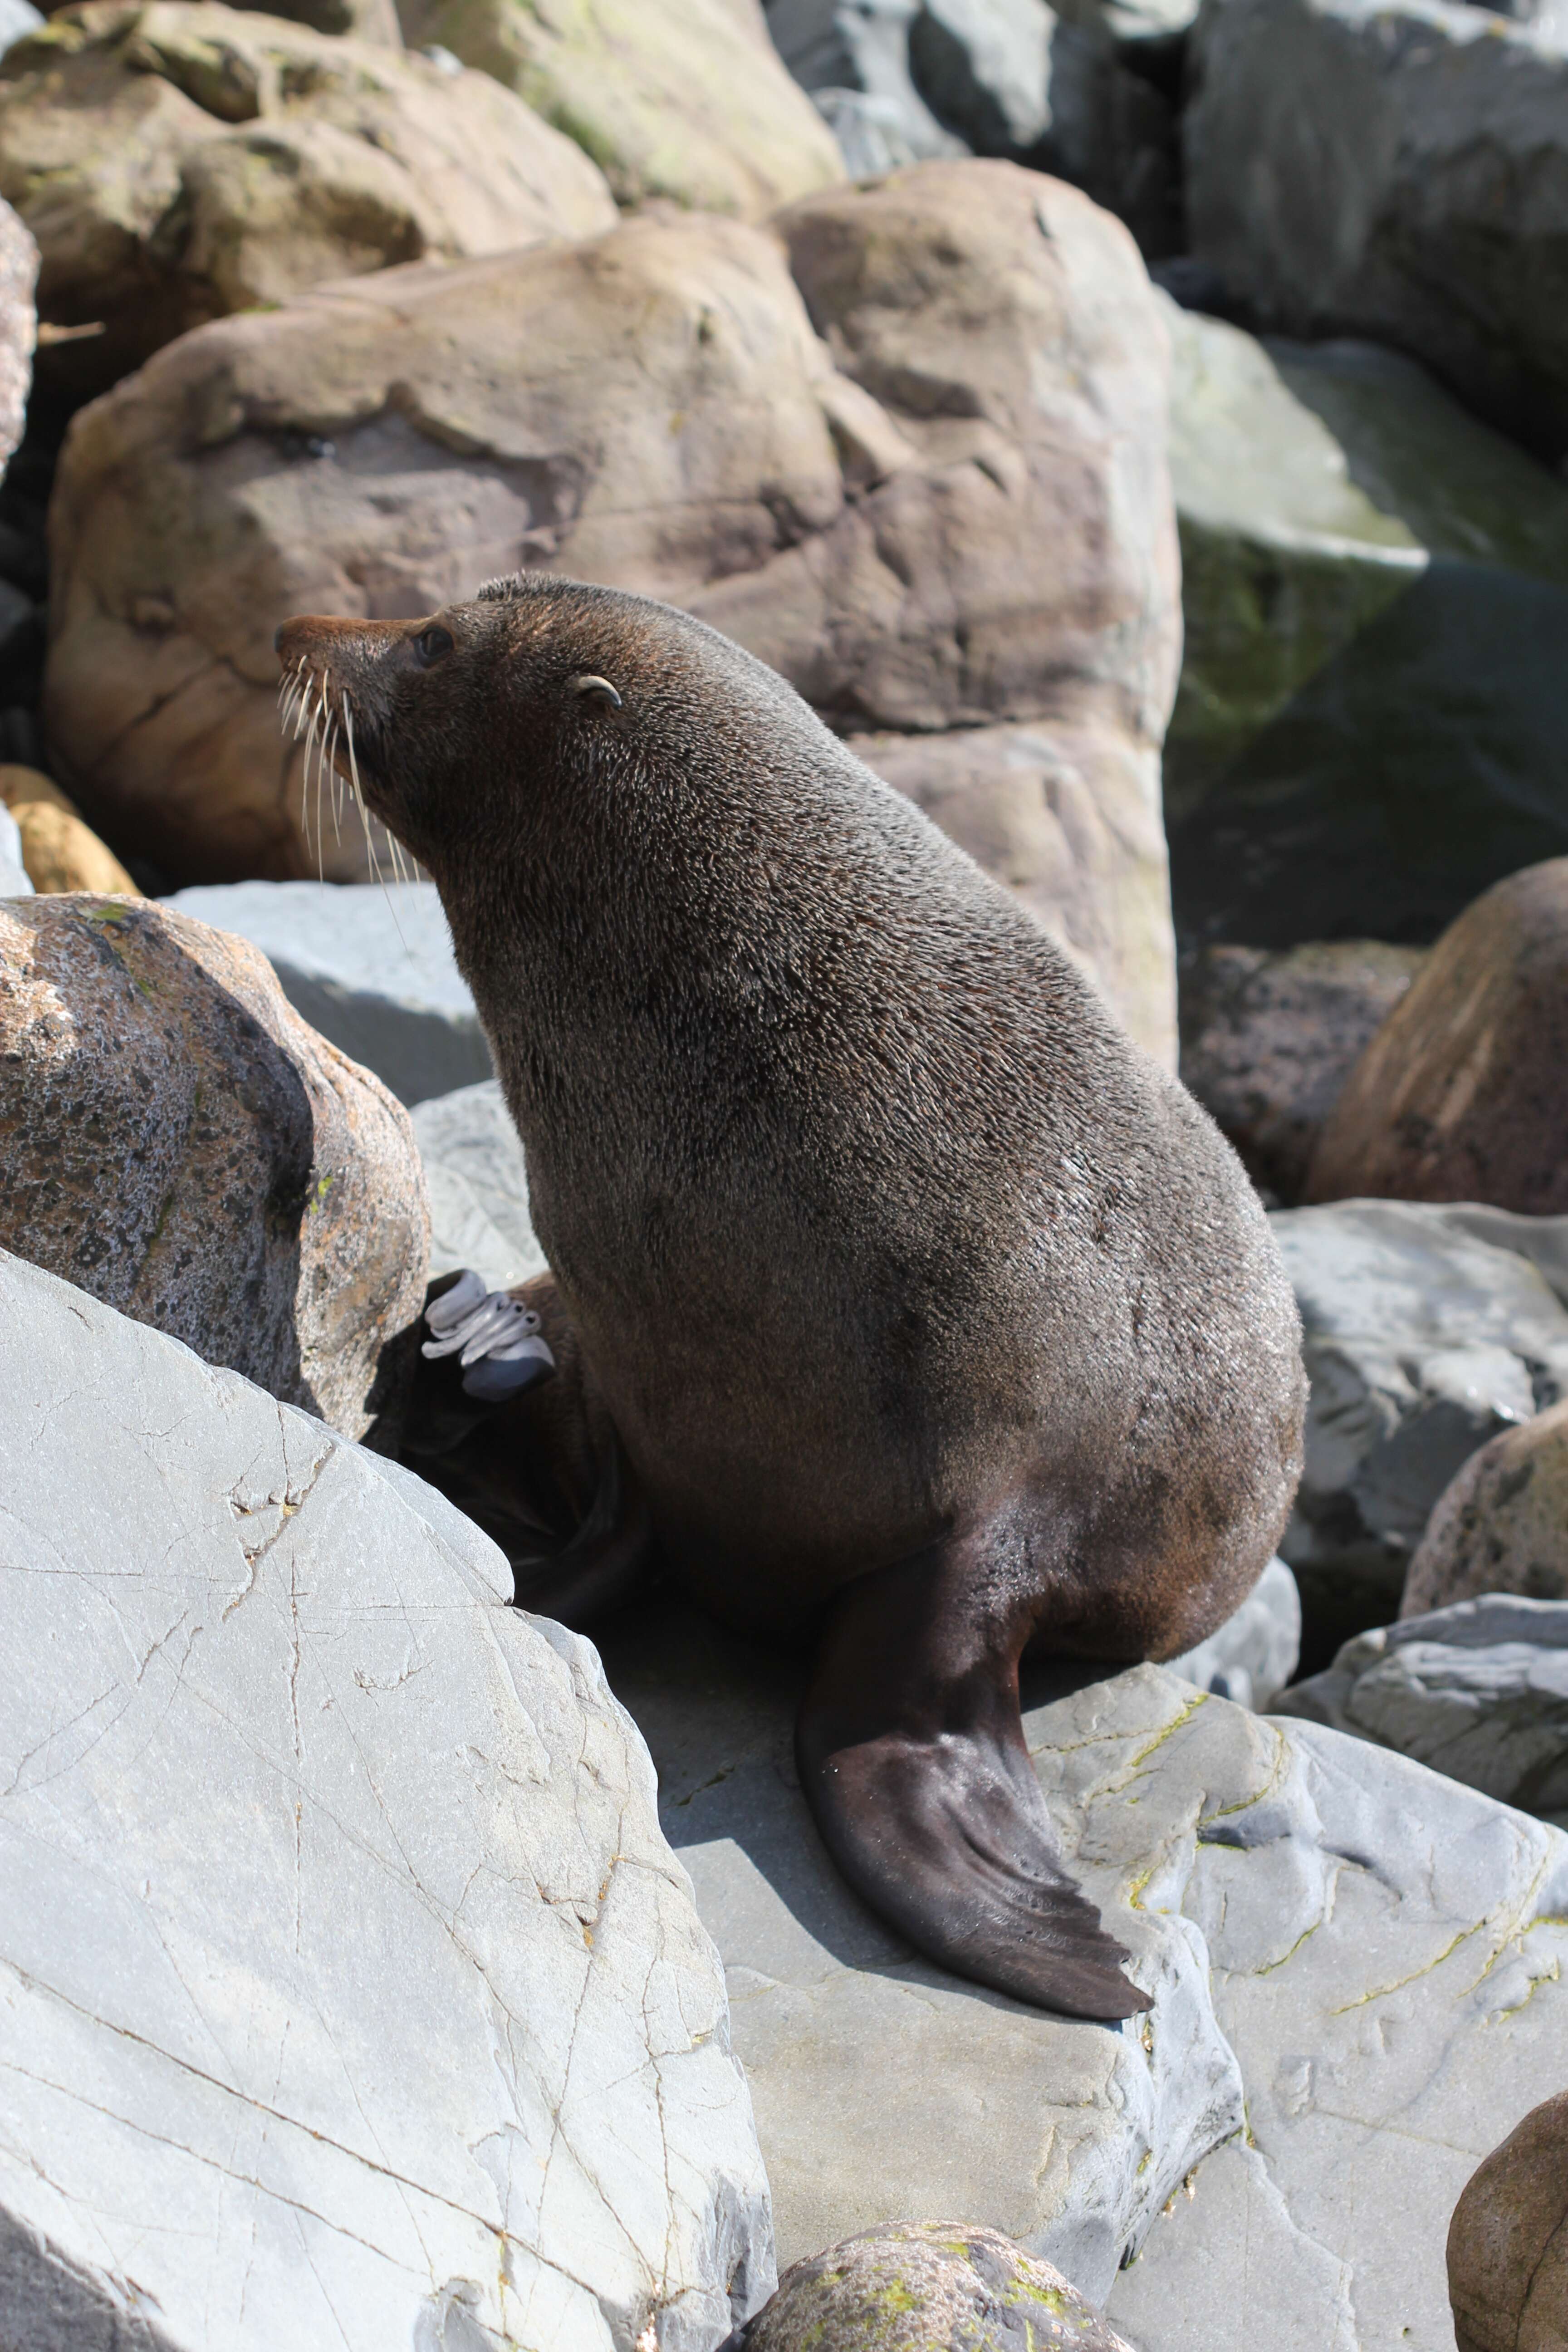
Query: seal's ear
(596, 689)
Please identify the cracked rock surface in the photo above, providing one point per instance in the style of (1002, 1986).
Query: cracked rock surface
(923, 476)
(179, 161)
(175, 1140)
(349, 1993)
(1385, 1954)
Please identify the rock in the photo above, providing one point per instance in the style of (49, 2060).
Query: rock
(1255, 1651)
(1507, 2243)
(366, 20)
(1370, 720)
(1075, 831)
(853, 56)
(353, 1997)
(1385, 1952)
(372, 969)
(1391, 2013)
(59, 852)
(882, 2086)
(18, 18)
(1396, 173)
(1479, 1691)
(179, 1144)
(1425, 1333)
(14, 879)
(964, 524)
(1458, 1098)
(252, 158)
(1268, 1038)
(18, 320)
(478, 1184)
(920, 2284)
(685, 99)
(1502, 1523)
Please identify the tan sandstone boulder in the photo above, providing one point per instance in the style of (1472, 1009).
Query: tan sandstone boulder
(1508, 2241)
(951, 513)
(686, 100)
(1460, 1095)
(175, 1140)
(58, 850)
(179, 161)
(367, 20)
(1501, 1524)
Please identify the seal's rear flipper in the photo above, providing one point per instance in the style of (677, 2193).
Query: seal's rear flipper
(912, 1760)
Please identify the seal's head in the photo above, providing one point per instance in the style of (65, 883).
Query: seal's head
(441, 722)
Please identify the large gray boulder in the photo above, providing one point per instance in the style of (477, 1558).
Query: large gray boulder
(1371, 713)
(1426, 1330)
(353, 1995)
(478, 1182)
(1387, 1954)
(1398, 173)
(1477, 1691)
(370, 968)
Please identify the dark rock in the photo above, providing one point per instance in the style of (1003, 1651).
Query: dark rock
(1508, 2241)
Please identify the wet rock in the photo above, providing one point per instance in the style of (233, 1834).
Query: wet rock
(920, 2285)
(178, 1143)
(1503, 1525)
(353, 1997)
(252, 158)
(1371, 715)
(1074, 829)
(1335, 175)
(1459, 1097)
(1268, 1039)
(478, 1182)
(1479, 1691)
(1385, 1951)
(950, 510)
(1425, 1332)
(370, 968)
(684, 99)
(1508, 2244)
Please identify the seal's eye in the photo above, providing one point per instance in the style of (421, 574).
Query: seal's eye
(431, 644)
(596, 689)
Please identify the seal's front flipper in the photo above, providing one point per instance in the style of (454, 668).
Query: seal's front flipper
(912, 1760)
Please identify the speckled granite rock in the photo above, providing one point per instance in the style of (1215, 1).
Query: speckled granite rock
(353, 1996)
(1508, 2245)
(1479, 1691)
(175, 1140)
(1503, 1525)
(370, 968)
(1426, 1330)
(926, 2286)
(478, 1182)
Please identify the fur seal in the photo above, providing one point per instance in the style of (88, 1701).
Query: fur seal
(924, 1310)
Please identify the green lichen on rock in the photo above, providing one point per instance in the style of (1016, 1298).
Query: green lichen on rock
(1373, 582)
(916, 2286)
(684, 99)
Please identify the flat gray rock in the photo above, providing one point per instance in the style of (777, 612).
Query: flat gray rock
(884, 2087)
(477, 1185)
(1386, 1955)
(370, 968)
(1426, 1330)
(1477, 1691)
(351, 1997)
